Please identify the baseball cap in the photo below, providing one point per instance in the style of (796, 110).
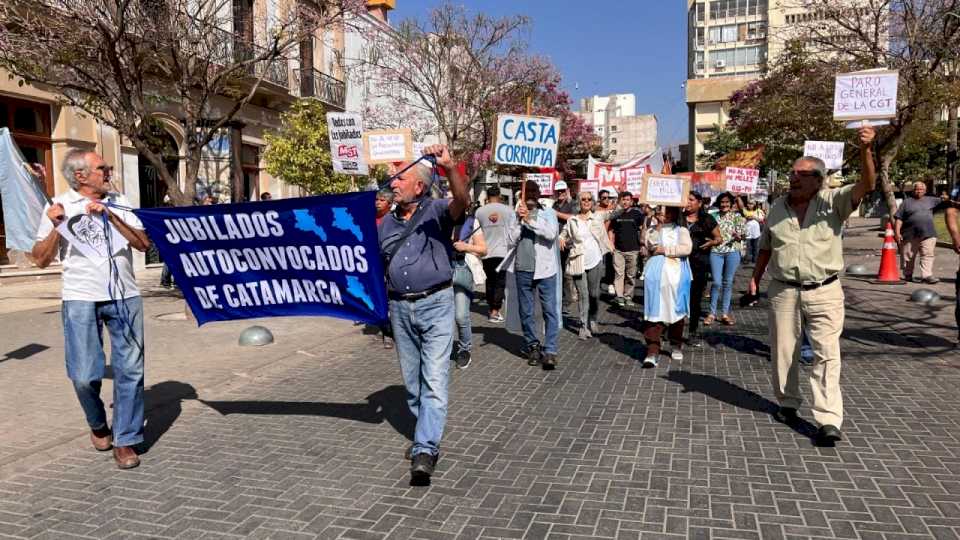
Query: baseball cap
(560, 185)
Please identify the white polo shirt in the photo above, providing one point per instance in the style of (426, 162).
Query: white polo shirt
(87, 279)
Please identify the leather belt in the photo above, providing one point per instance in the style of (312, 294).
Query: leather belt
(408, 297)
(809, 286)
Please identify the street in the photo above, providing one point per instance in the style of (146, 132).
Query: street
(305, 438)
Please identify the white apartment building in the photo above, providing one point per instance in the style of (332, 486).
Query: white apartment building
(614, 119)
(729, 44)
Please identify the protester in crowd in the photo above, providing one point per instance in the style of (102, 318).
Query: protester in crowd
(208, 200)
(166, 276)
(753, 238)
(704, 235)
(915, 233)
(585, 240)
(99, 293)
(725, 258)
(952, 218)
(467, 238)
(666, 285)
(384, 203)
(416, 247)
(805, 293)
(752, 210)
(565, 207)
(605, 203)
(266, 196)
(626, 230)
(533, 268)
(494, 218)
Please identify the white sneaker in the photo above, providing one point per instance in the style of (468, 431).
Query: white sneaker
(650, 362)
(677, 354)
(611, 290)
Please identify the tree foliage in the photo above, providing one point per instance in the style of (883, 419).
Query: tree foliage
(722, 142)
(920, 39)
(124, 61)
(299, 152)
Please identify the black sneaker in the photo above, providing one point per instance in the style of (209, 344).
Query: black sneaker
(462, 360)
(549, 361)
(422, 465)
(534, 356)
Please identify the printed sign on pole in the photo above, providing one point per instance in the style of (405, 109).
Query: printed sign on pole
(665, 190)
(388, 146)
(829, 151)
(741, 181)
(543, 180)
(528, 141)
(346, 143)
(865, 95)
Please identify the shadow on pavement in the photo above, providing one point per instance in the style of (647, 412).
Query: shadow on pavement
(24, 352)
(728, 392)
(163, 403)
(739, 343)
(389, 404)
(499, 336)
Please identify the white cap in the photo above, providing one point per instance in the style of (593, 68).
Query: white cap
(560, 185)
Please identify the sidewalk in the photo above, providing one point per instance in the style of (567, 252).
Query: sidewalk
(304, 439)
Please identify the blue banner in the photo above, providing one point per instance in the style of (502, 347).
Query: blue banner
(307, 256)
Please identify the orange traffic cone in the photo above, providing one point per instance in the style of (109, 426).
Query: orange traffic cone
(889, 273)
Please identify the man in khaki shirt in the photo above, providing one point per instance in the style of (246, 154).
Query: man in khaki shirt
(802, 247)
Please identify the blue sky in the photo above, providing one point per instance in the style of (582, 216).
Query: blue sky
(604, 47)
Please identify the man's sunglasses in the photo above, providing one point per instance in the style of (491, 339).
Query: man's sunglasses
(104, 168)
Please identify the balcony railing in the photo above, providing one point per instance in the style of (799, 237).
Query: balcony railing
(316, 84)
(233, 48)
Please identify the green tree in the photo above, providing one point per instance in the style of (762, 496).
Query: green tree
(299, 152)
(720, 143)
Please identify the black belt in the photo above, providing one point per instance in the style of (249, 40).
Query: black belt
(810, 286)
(419, 295)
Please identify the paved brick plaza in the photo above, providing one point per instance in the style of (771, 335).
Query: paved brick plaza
(311, 447)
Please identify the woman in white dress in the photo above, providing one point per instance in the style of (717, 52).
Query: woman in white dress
(585, 235)
(666, 284)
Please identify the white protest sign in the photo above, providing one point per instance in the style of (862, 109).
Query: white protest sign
(346, 143)
(741, 181)
(830, 152)
(388, 146)
(665, 190)
(418, 149)
(528, 141)
(589, 186)
(865, 95)
(634, 178)
(543, 180)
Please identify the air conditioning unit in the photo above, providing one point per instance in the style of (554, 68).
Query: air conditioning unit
(720, 64)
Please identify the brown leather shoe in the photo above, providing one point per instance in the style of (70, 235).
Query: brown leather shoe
(126, 457)
(102, 439)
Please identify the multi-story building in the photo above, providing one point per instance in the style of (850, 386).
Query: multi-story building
(614, 119)
(630, 136)
(729, 44)
(45, 130)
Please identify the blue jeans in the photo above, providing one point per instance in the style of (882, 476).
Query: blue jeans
(723, 266)
(423, 333)
(83, 333)
(462, 297)
(546, 290)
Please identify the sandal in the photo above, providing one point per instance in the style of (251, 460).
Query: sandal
(727, 320)
(708, 320)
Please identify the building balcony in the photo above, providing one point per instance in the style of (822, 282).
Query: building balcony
(316, 84)
(233, 48)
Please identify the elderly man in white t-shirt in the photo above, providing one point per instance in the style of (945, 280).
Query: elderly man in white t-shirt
(94, 241)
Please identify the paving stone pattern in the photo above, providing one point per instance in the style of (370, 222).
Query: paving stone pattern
(599, 448)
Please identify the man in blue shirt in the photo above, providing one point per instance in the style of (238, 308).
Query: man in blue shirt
(415, 241)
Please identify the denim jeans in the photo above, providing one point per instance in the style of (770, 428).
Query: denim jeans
(83, 334)
(723, 266)
(423, 334)
(546, 290)
(462, 298)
